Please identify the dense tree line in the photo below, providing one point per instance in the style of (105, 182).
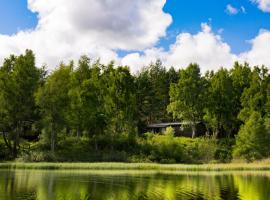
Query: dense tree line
(103, 103)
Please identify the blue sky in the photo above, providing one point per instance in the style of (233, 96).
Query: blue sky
(235, 29)
(14, 15)
(238, 29)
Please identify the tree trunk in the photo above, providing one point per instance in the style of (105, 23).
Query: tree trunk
(52, 139)
(216, 132)
(16, 141)
(193, 127)
(14, 151)
(7, 142)
(78, 132)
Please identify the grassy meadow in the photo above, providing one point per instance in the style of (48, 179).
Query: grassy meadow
(262, 165)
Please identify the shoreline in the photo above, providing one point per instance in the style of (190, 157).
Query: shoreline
(139, 166)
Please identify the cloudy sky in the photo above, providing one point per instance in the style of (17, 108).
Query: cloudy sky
(213, 33)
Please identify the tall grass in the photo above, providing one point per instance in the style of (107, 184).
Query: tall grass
(139, 166)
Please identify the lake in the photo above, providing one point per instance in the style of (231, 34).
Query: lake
(118, 185)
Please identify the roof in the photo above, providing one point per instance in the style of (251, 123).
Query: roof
(164, 125)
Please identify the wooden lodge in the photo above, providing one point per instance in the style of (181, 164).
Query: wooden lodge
(182, 129)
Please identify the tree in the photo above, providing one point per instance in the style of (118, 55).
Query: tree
(119, 100)
(152, 93)
(220, 102)
(254, 97)
(77, 114)
(93, 92)
(241, 76)
(53, 101)
(187, 96)
(19, 80)
(252, 141)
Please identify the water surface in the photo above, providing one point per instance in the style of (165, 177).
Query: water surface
(132, 185)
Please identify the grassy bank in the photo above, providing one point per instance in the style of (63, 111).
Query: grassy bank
(265, 165)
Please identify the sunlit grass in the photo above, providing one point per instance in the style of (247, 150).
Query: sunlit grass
(262, 165)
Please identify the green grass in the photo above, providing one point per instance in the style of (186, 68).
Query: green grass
(139, 166)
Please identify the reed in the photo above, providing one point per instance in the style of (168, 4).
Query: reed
(139, 166)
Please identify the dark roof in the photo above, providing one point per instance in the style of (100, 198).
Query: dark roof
(164, 125)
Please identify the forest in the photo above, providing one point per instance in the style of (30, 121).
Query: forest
(86, 111)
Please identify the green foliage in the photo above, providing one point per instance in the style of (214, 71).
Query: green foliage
(187, 96)
(168, 149)
(152, 93)
(119, 100)
(224, 150)
(88, 111)
(4, 153)
(53, 101)
(254, 98)
(219, 112)
(19, 80)
(169, 132)
(37, 156)
(253, 139)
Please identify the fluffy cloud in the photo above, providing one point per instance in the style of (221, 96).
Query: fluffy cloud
(67, 29)
(264, 5)
(204, 48)
(259, 52)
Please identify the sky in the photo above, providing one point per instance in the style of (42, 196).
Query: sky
(211, 33)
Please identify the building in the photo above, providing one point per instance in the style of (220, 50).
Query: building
(181, 128)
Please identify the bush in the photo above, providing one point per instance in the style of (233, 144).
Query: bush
(169, 131)
(168, 149)
(224, 150)
(253, 140)
(164, 147)
(37, 156)
(199, 150)
(161, 148)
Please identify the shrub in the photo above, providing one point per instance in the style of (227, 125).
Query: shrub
(253, 140)
(224, 150)
(168, 149)
(37, 156)
(169, 131)
(165, 147)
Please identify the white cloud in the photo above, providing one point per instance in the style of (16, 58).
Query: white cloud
(231, 10)
(67, 29)
(204, 48)
(259, 52)
(264, 5)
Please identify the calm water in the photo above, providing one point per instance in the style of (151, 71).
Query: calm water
(72, 185)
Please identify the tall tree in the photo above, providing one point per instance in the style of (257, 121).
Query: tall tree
(93, 92)
(187, 96)
(77, 114)
(119, 100)
(152, 85)
(19, 80)
(253, 139)
(53, 101)
(220, 102)
(241, 76)
(254, 97)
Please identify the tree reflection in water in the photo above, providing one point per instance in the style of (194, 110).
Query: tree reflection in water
(132, 185)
